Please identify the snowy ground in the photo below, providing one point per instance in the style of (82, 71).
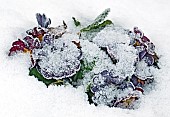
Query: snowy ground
(23, 96)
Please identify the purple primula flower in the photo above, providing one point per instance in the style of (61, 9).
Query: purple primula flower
(106, 88)
(58, 58)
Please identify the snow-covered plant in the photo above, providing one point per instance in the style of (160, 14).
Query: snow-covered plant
(114, 65)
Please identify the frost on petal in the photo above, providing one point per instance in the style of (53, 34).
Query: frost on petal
(111, 90)
(58, 60)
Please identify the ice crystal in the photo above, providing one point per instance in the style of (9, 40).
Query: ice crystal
(59, 59)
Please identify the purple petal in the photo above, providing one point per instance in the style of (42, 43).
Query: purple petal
(149, 59)
(142, 54)
(134, 80)
(104, 73)
(94, 89)
(42, 20)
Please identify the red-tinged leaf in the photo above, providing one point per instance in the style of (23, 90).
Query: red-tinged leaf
(137, 31)
(18, 43)
(139, 89)
(36, 33)
(17, 46)
(29, 40)
(145, 39)
(32, 43)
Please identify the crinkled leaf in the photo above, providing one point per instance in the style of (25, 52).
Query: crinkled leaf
(149, 59)
(97, 26)
(102, 16)
(97, 22)
(89, 94)
(145, 39)
(32, 43)
(34, 72)
(76, 22)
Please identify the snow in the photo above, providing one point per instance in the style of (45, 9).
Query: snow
(23, 96)
(61, 58)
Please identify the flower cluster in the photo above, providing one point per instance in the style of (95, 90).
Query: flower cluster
(126, 80)
(53, 56)
(146, 49)
(115, 65)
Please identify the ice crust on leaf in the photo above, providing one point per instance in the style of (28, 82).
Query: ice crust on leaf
(102, 16)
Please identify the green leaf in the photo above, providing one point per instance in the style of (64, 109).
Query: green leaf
(102, 16)
(84, 68)
(89, 94)
(97, 22)
(34, 72)
(76, 22)
(97, 26)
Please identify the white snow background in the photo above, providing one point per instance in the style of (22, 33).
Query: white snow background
(23, 96)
